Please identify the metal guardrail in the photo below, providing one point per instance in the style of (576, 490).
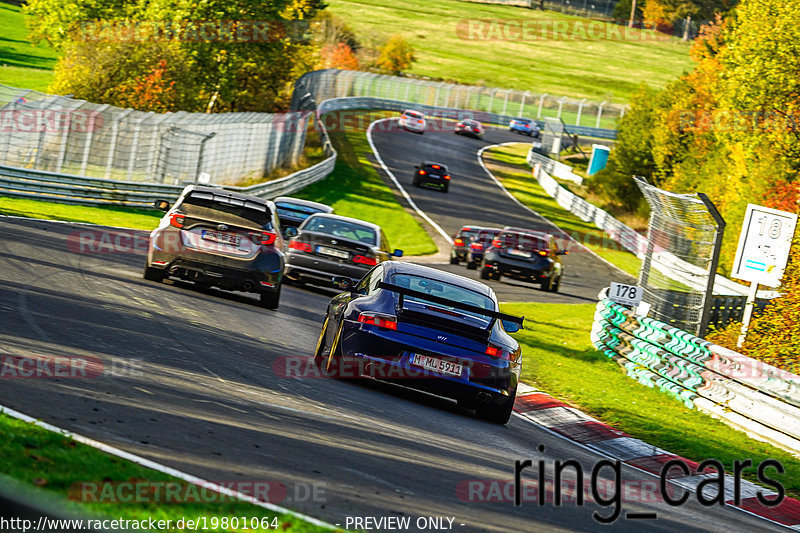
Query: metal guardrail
(744, 392)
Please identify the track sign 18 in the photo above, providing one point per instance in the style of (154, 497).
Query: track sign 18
(764, 245)
(625, 294)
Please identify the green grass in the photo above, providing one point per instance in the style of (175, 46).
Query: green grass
(22, 64)
(40, 458)
(108, 216)
(508, 164)
(600, 69)
(560, 360)
(354, 189)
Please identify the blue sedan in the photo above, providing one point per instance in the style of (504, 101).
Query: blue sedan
(426, 329)
(525, 126)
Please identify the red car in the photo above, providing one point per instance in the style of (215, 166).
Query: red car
(470, 127)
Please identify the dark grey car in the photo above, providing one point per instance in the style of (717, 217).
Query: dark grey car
(327, 246)
(221, 238)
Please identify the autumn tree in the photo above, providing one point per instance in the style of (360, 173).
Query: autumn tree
(396, 55)
(219, 55)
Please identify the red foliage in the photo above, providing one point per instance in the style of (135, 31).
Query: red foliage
(154, 92)
(340, 56)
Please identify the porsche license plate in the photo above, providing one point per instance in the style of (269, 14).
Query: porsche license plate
(437, 365)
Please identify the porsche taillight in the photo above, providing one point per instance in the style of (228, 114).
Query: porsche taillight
(375, 319)
(177, 220)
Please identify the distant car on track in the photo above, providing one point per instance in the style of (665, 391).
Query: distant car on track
(221, 238)
(326, 246)
(528, 256)
(470, 128)
(478, 245)
(425, 329)
(412, 121)
(461, 241)
(433, 175)
(293, 211)
(525, 126)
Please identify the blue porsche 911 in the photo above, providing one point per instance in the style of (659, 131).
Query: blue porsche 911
(426, 329)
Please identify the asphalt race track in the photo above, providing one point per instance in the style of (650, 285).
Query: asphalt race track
(195, 380)
(475, 199)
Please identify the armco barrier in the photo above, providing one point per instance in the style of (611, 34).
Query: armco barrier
(746, 393)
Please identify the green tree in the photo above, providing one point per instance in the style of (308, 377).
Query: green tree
(396, 55)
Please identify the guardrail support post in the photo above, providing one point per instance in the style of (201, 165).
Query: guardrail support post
(522, 104)
(200, 156)
(541, 103)
(580, 111)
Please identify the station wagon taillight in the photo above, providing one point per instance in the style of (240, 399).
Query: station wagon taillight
(446, 177)
(476, 246)
(496, 243)
(177, 220)
(421, 172)
(459, 242)
(382, 321)
(268, 237)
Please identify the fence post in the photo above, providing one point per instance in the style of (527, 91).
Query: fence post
(522, 103)
(541, 103)
(561, 105)
(200, 155)
(580, 111)
(505, 102)
(600, 113)
(709, 295)
(491, 99)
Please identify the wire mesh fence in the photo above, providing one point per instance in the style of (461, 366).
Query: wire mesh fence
(60, 134)
(332, 83)
(683, 243)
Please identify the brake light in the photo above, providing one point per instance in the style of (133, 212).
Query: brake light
(419, 122)
(476, 130)
(446, 177)
(494, 351)
(476, 246)
(421, 172)
(459, 242)
(382, 321)
(300, 246)
(268, 238)
(177, 220)
(364, 260)
(496, 243)
(543, 253)
(435, 166)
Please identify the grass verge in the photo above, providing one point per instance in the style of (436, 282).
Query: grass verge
(564, 55)
(22, 64)
(560, 360)
(57, 465)
(509, 165)
(354, 189)
(124, 217)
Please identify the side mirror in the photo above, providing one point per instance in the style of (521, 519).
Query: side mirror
(161, 205)
(562, 252)
(397, 253)
(511, 327)
(416, 166)
(345, 284)
(290, 232)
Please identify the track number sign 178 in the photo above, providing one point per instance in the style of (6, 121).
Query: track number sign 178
(625, 294)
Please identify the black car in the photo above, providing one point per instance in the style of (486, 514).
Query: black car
(220, 238)
(528, 256)
(470, 128)
(461, 241)
(327, 246)
(293, 211)
(434, 175)
(426, 329)
(479, 244)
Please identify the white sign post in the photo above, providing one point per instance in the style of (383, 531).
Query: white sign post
(762, 252)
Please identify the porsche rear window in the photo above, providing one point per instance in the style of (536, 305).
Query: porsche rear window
(443, 289)
(341, 228)
(413, 114)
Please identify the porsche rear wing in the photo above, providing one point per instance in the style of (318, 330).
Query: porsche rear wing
(403, 291)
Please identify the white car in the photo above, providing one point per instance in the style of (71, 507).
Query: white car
(412, 121)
